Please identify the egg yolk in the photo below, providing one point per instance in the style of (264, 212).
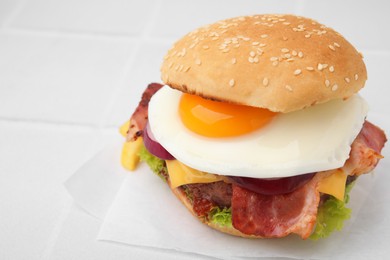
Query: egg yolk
(220, 119)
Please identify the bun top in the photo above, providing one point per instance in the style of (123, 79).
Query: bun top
(279, 62)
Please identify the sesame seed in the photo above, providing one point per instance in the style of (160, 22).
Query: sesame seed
(300, 54)
(234, 60)
(331, 69)
(273, 58)
(310, 68)
(286, 23)
(332, 47)
(198, 61)
(307, 35)
(264, 36)
(347, 80)
(170, 65)
(256, 59)
(319, 67)
(294, 53)
(265, 81)
(285, 50)
(324, 65)
(246, 39)
(252, 54)
(297, 72)
(255, 43)
(289, 88)
(262, 45)
(335, 87)
(356, 76)
(290, 59)
(226, 50)
(231, 82)
(336, 44)
(275, 63)
(250, 59)
(206, 47)
(187, 69)
(327, 83)
(287, 55)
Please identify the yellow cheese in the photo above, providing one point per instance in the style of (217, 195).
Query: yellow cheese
(130, 151)
(124, 128)
(180, 174)
(334, 184)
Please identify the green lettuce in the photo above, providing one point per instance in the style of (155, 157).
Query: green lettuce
(221, 217)
(157, 165)
(331, 215)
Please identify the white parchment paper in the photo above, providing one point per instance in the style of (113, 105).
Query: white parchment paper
(140, 210)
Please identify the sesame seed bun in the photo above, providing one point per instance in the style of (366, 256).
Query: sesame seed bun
(279, 62)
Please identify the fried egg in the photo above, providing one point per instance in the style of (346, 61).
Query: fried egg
(255, 142)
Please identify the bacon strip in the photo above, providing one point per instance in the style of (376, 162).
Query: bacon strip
(276, 215)
(365, 150)
(139, 118)
(296, 212)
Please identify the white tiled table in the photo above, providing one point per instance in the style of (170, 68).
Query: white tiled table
(72, 71)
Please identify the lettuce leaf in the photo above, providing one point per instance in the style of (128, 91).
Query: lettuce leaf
(331, 215)
(157, 165)
(221, 217)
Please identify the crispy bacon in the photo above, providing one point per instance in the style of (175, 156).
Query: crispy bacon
(296, 212)
(139, 118)
(365, 150)
(276, 215)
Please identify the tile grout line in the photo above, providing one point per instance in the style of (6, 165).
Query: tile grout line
(25, 122)
(142, 39)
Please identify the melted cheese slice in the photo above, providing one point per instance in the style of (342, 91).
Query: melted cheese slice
(180, 174)
(130, 151)
(124, 128)
(334, 184)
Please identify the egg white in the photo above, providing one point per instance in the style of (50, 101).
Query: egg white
(310, 140)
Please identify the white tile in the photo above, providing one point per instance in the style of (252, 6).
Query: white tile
(376, 90)
(363, 23)
(34, 163)
(60, 79)
(178, 17)
(114, 17)
(7, 8)
(144, 70)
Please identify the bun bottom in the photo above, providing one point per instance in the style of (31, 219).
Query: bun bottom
(227, 230)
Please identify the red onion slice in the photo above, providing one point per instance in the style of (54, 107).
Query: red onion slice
(273, 186)
(155, 147)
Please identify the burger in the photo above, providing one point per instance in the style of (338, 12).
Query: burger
(258, 128)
